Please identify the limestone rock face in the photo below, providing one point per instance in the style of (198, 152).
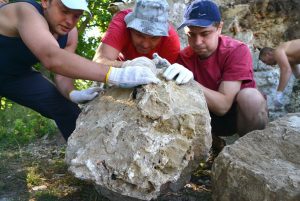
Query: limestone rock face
(262, 165)
(140, 143)
(294, 105)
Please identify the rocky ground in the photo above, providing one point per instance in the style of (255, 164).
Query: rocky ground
(38, 172)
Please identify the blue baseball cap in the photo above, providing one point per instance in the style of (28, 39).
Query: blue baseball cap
(202, 13)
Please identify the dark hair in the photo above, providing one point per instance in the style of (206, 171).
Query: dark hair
(216, 24)
(264, 51)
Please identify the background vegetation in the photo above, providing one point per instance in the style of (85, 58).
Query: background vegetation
(20, 125)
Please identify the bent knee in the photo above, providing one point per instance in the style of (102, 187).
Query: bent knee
(252, 106)
(250, 96)
(251, 102)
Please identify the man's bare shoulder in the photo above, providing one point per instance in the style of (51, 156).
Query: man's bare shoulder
(291, 49)
(290, 45)
(25, 8)
(10, 15)
(15, 7)
(295, 42)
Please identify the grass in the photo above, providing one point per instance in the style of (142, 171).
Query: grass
(41, 174)
(32, 163)
(20, 125)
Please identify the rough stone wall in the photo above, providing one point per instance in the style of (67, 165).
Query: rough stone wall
(271, 21)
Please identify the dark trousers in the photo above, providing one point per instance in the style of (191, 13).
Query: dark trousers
(225, 125)
(33, 90)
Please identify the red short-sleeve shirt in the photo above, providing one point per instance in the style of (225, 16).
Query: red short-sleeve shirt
(232, 61)
(118, 36)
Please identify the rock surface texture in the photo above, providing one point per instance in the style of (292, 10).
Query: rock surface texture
(262, 165)
(138, 144)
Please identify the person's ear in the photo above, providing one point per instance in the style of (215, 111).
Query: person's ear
(220, 27)
(221, 24)
(44, 3)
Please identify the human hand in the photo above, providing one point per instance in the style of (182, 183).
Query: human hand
(125, 63)
(160, 62)
(184, 74)
(278, 102)
(130, 76)
(140, 61)
(3, 1)
(82, 96)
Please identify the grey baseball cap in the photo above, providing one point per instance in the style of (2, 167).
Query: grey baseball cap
(149, 17)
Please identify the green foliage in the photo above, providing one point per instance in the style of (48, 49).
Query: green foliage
(91, 28)
(87, 46)
(5, 104)
(20, 125)
(82, 84)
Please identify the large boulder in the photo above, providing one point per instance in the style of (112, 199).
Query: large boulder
(139, 143)
(262, 165)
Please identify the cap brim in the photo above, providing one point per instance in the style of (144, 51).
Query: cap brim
(197, 23)
(77, 5)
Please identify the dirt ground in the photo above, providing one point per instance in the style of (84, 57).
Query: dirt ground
(37, 172)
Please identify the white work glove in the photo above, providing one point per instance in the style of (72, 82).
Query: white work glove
(140, 61)
(184, 74)
(130, 76)
(159, 61)
(278, 102)
(82, 96)
(125, 63)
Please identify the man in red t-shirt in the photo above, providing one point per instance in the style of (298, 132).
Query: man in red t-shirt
(138, 33)
(223, 67)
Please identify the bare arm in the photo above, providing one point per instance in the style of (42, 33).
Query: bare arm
(3, 1)
(44, 46)
(65, 84)
(219, 102)
(107, 55)
(285, 68)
